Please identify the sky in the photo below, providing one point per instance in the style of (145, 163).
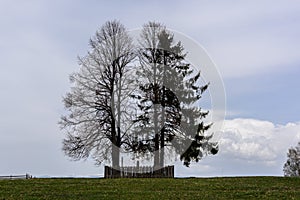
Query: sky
(255, 45)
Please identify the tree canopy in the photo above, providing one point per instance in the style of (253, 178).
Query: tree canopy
(94, 123)
(292, 165)
(137, 98)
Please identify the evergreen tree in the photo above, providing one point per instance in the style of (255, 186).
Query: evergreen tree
(170, 117)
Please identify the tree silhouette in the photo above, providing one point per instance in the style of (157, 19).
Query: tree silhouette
(292, 165)
(96, 105)
(147, 109)
(170, 117)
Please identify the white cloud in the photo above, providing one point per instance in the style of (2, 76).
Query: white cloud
(256, 140)
(248, 147)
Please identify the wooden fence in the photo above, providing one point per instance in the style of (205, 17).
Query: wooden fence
(139, 172)
(11, 177)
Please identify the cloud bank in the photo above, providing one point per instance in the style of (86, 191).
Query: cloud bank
(248, 147)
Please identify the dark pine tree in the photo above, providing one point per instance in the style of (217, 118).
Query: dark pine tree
(170, 118)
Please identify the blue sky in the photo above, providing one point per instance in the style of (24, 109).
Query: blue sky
(255, 44)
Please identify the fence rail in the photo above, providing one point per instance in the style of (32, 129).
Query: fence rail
(139, 172)
(11, 177)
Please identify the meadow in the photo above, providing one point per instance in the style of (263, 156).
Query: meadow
(155, 188)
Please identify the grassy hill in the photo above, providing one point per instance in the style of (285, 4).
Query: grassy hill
(185, 188)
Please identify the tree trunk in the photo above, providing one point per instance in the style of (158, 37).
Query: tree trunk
(162, 133)
(115, 157)
(156, 100)
(163, 117)
(115, 147)
(156, 140)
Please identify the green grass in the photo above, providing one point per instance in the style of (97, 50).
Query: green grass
(189, 188)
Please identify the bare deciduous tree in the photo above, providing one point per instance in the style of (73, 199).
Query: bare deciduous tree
(98, 101)
(292, 165)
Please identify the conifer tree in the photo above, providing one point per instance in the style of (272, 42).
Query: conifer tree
(170, 116)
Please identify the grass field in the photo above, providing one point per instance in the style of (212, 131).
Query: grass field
(188, 188)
